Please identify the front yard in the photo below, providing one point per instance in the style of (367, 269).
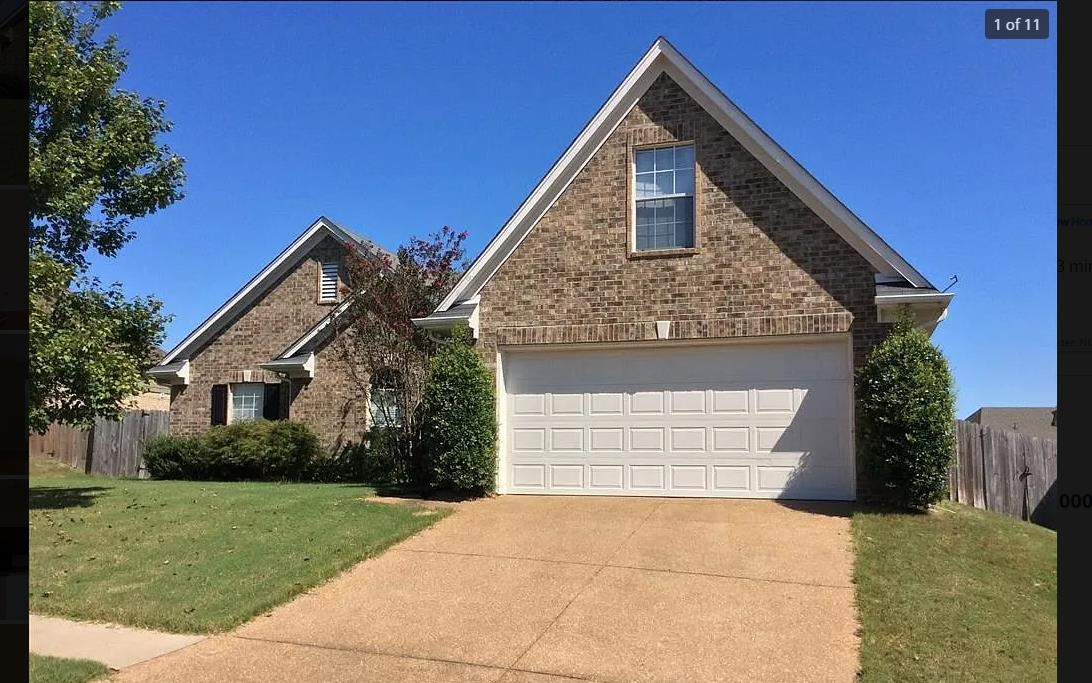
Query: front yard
(958, 594)
(60, 670)
(195, 557)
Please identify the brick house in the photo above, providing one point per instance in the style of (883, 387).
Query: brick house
(266, 351)
(678, 308)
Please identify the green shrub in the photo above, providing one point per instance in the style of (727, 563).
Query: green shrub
(251, 450)
(169, 457)
(906, 412)
(353, 462)
(459, 430)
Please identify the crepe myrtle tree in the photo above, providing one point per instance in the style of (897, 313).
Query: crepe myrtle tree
(386, 356)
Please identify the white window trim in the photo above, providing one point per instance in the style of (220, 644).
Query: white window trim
(632, 199)
(231, 401)
(376, 415)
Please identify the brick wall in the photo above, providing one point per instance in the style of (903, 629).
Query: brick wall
(764, 263)
(256, 335)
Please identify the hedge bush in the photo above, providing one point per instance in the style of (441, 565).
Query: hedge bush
(459, 429)
(906, 413)
(251, 450)
(370, 460)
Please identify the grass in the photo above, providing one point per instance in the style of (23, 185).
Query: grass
(45, 669)
(195, 557)
(958, 594)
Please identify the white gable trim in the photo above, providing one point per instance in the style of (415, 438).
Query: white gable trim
(661, 58)
(310, 238)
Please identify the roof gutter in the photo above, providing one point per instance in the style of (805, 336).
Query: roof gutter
(296, 367)
(171, 374)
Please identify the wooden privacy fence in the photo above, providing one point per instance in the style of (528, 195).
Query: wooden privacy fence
(66, 444)
(111, 448)
(1005, 471)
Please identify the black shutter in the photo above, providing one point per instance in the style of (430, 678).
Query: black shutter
(271, 403)
(219, 404)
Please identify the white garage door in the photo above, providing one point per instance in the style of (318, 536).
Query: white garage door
(733, 420)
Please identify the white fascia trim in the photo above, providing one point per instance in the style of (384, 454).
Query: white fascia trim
(171, 376)
(663, 57)
(258, 283)
(446, 322)
(924, 298)
(929, 309)
(297, 367)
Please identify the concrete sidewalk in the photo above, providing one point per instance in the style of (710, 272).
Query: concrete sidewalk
(114, 646)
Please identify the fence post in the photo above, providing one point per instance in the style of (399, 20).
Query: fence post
(90, 455)
(985, 477)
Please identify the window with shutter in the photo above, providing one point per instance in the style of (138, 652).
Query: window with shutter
(247, 400)
(271, 407)
(328, 286)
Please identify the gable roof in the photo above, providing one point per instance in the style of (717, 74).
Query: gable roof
(662, 58)
(322, 228)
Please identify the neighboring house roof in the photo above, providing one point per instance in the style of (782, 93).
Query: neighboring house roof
(662, 58)
(172, 363)
(1040, 422)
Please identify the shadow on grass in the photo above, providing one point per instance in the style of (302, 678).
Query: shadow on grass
(421, 493)
(61, 497)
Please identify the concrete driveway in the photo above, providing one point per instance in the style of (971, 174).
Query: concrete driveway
(542, 589)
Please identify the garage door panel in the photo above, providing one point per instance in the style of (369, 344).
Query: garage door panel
(774, 400)
(606, 404)
(564, 439)
(688, 439)
(529, 476)
(646, 438)
(606, 438)
(687, 401)
(731, 477)
(567, 476)
(688, 477)
(732, 439)
(529, 439)
(648, 477)
(606, 476)
(647, 403)
(528, 404)
(566, 404)
(732, 401)
(763, 420)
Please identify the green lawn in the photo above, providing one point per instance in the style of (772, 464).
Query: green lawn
(195, 557)
(955, 595)
(59, 670)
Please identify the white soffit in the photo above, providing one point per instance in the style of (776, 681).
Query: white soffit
(661, 58)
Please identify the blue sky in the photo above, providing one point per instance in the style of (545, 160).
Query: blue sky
(396, 119)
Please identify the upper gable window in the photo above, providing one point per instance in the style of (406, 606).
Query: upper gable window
(328, 283)
(664, 193)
